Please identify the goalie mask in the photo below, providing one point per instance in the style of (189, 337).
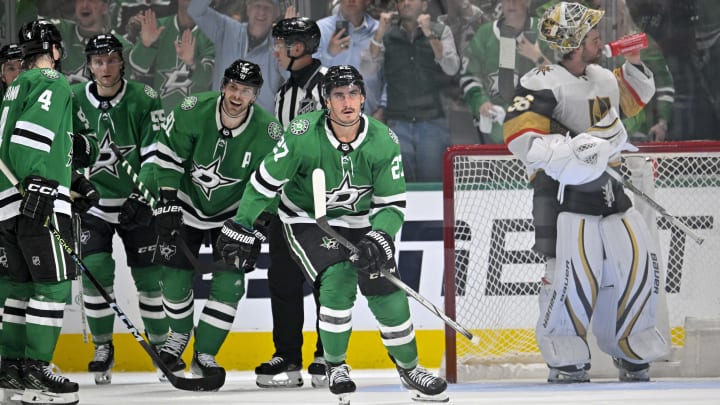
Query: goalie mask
(298, 29)
(37, 37)
(342, 75)
(565, 25)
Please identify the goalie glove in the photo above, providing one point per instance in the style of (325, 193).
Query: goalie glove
(376, 252)
(86, 196)
(571, 161)
(238, 246)
(39, 199)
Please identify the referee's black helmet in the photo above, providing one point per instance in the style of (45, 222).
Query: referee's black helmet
(298, 29)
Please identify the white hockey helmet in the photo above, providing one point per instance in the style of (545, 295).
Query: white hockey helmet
(565, 25)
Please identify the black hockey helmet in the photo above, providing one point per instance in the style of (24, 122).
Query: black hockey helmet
(298, 29)
(244, 72)
(37, 37)
(103, 44)
(10, 52)
(342, 75)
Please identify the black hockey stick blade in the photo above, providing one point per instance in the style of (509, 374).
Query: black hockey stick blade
(210, 383)
(318, 186)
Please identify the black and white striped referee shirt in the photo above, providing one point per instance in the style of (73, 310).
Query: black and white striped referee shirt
(301, 93)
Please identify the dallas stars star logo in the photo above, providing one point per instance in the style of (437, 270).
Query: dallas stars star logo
(346, 196)
(329, 243)
(77, 75)
(209, 178)
(175, 81)
(107, 161)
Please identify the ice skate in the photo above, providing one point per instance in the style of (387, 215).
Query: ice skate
(172, 350)
(204, 365)
(278, 373)
(568, 375)
(44, 386)
(630, 372)
(11, 381)
(318, 373)
(340, 382)
(422, 385)
(101, 365)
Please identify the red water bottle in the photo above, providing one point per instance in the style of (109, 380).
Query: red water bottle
(626, 44)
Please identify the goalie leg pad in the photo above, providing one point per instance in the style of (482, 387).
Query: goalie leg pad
(632, 279)
(568, 287)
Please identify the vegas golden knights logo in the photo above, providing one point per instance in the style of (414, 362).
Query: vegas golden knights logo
(599, 107)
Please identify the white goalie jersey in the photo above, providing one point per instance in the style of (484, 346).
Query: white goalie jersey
(551, 100)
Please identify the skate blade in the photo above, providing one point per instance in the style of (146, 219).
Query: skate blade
(103, 377)
(344, 399)
(418, 396)
(292, 379)
(11, 396)
(319, 381)
(34, 397)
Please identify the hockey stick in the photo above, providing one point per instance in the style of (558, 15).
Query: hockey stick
(200, 268)
(77, 230)
(652, 203)
(318, 184)
(210, 383)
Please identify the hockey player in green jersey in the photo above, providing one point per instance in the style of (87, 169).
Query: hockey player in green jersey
(130, 115)
(365, 194)
(214, 141)
(36, 146)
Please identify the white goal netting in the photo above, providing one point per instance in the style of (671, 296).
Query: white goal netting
(495, 275)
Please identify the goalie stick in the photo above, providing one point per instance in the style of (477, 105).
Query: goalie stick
(199, 267)
(652, 203)
(318, 187)
(210, 383)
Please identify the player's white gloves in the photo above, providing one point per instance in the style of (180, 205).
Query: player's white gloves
(570, 161)
(39, 199)
(376, 252)
(238, 246)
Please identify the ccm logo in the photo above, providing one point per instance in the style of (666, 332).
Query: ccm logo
(36, 188)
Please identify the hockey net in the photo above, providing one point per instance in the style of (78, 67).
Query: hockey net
(492, 276)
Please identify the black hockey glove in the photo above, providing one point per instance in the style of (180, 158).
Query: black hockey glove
(39, 199)
(81, 151)
(238, 246)
(135, 212)
(168, 214)
(86, 195)
(376, 251)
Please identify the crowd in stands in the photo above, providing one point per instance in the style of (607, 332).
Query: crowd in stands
(438, 72)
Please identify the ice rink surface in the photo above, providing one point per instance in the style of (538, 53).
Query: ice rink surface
(376, 387)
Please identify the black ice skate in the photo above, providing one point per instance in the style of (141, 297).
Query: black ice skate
(278, 373)
(422, 385)
(101, 365)
(340, 382)
(569, 374)
(204, 365)
(43, 386)
(318, 373)
(630, 372)
(11, 380)
(172, 350)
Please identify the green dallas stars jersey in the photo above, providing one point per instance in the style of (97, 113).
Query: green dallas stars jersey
(36, 127)
(365, 184)
(172, 78)
(132, 120)
(209, 169)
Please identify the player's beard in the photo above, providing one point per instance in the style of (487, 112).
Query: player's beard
(234, 110)
(346, 119)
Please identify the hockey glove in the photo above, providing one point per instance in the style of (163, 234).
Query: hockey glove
(376, 252)
(85, 196)
(238, 246)
(39, 199)
(135, 212)
(81, 151)
(168, 214)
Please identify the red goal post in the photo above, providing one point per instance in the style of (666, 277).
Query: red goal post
(491, 275)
